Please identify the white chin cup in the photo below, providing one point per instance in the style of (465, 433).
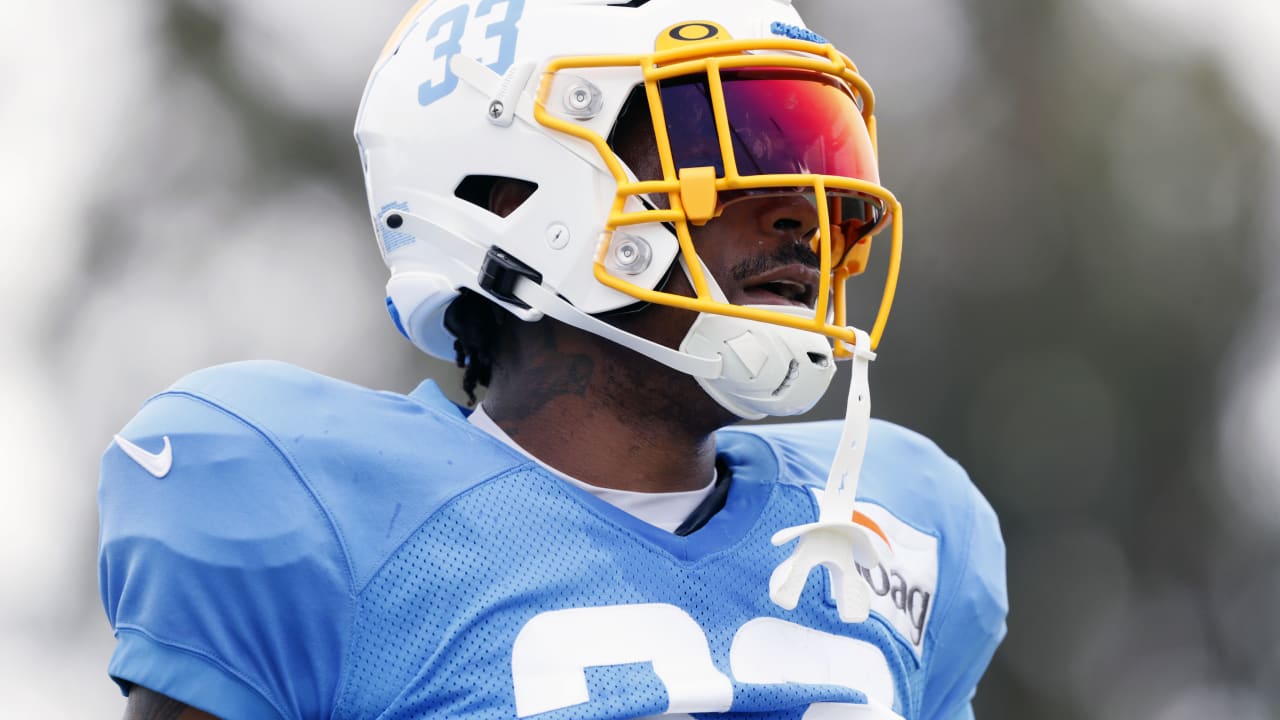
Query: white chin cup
(767, 369)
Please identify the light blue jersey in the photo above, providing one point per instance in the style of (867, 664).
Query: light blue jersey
(307, 548)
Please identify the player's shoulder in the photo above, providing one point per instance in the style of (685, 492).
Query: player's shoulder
(903, 472)
(896, 459)
(274, 395)
(270, 442)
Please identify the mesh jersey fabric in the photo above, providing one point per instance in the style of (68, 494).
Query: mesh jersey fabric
(322, 550)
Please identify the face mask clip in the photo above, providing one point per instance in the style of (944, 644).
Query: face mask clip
(698, 193)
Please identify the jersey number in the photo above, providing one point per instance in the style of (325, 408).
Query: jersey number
(445, 35)
(554, 649)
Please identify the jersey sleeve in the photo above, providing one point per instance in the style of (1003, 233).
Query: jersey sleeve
(223, 578)
(973, 624)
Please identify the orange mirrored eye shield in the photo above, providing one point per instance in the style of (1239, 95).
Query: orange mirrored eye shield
(854, 216)
(779, 122)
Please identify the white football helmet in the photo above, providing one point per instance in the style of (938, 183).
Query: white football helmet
(743, 99)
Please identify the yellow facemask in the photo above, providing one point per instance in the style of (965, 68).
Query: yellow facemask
(738, 118)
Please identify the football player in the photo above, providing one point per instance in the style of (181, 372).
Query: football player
(632, 222)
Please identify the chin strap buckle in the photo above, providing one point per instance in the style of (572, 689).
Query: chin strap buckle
(842, 538)
(500, 272)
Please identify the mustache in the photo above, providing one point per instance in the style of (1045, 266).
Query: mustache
(786, 254)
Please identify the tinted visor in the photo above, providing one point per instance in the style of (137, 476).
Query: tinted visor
(780, 122)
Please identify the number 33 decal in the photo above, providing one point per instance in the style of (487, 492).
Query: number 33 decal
(445, 35)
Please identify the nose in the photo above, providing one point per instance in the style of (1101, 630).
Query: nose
(793, 215)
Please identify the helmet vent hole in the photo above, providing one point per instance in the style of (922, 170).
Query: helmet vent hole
(499, 195)
(819, 359)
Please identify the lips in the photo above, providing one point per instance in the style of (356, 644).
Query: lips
(792, 284)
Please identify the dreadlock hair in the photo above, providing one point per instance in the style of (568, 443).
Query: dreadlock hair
(473, 320)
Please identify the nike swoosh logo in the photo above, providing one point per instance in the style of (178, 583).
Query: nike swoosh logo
(157, 464)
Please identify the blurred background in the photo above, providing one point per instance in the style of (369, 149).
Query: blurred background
(1088, 318)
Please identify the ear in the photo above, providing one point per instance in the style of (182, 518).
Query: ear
(507, 194)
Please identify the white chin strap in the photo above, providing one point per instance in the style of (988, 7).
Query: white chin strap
(835, 541)
(768, 370)
(552, 305)
(753, 369)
